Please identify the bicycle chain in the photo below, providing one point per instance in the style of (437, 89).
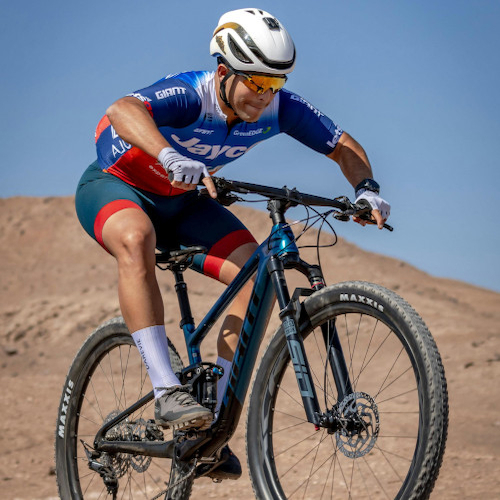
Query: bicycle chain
(172, 486)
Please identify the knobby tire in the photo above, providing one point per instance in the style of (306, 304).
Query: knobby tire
(106, 376)
(399, 393)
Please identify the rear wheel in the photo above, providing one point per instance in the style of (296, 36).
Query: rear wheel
(107, 376)
(391, 428)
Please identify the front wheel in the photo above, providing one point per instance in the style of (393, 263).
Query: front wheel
(392, 423)
(106, 377)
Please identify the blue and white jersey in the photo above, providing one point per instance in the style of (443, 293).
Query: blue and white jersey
(187, 113)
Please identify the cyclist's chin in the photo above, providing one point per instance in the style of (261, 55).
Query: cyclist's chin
(249, 113)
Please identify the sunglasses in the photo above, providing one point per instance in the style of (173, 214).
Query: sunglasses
(262, 83)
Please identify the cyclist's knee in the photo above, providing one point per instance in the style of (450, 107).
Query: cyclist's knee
(130, 238)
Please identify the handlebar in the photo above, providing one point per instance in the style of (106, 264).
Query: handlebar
(345, 208)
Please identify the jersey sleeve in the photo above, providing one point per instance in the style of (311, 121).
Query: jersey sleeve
(302, 121)
(172, 102)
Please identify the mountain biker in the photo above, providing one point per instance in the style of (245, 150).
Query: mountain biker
(188, 126)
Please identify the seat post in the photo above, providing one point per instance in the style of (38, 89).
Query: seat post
(182, 296)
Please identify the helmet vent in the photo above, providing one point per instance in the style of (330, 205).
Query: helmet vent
(272, 23)
(238, 53)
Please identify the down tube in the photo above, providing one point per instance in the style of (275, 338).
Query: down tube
(252, 333)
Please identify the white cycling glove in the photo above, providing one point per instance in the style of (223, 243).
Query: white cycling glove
(375, 201)
(184, 169)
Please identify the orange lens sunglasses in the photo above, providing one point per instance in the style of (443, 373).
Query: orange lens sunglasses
(262, 83)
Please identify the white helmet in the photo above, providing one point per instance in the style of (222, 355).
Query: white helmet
(252, 40)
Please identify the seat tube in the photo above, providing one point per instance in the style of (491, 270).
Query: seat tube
(294, 341)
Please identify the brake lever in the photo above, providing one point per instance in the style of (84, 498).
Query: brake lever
(362, 210)
(365, 213)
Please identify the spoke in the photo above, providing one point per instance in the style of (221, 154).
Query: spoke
(351, 351)
(376, 478)
(291, 415)
(295, 400)
(292, 426)
(363, 478)
(110, 383)
(381, 388)
(363, 368)
(332, 464)
(397, 396)
(312, 467)
(385, 453)
(326, 380)
(313, 472)
(295, 444)
(117, 402)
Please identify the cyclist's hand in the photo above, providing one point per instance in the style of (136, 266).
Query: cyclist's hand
(209, 184)
(184, 173)
(380, 208)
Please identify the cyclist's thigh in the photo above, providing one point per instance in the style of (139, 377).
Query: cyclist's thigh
(99, 196)
(235, 261)
(205, 222)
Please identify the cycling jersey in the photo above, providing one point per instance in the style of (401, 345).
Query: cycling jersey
(187, 113)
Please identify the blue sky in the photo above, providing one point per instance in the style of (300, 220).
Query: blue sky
(416, 83)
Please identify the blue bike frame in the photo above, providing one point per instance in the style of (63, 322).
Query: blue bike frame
(280, 242)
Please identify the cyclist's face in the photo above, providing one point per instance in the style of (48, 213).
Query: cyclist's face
(248, 104)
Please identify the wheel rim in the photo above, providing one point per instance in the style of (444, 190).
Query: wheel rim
(374, 462)
(116, 379)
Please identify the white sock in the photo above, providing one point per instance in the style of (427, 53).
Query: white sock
(153, 347)
(222, 382)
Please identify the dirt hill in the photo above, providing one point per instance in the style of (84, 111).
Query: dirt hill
(57, 285)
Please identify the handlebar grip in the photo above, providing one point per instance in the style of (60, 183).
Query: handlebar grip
(200, 182)
(364, 212)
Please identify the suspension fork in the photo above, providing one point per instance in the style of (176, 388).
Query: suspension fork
(329, 332)
(331, 339)
(288, 310)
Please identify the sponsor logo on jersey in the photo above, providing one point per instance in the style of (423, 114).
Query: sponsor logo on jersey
(203, 131)
(208, 151)
(251, 133)
(317, 112)
(170, 92)
(336, 136)
(141, 97)
(118, 147)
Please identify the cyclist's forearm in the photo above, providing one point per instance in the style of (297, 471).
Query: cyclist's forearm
(352, 158)
(133, 123)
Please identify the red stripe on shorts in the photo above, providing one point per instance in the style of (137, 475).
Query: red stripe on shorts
(223, 249)
(106, 212)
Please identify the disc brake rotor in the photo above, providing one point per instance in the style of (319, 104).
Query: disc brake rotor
(126, 430)
(361, 425)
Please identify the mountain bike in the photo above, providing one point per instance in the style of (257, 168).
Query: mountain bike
(349, 399)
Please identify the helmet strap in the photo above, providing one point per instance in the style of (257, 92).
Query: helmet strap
(222, 89)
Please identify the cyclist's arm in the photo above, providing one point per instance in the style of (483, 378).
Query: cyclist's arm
(355, 166)
(136, 118)
(304, 122)
(352, 159)
(133, 123)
